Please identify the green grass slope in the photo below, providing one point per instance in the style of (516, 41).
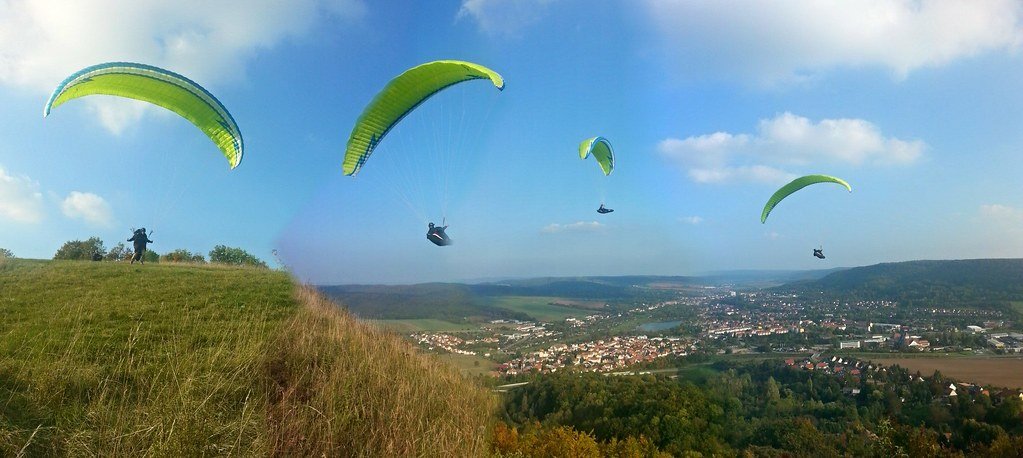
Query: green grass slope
(111, 359)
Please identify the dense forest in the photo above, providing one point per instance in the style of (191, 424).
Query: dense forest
(760, 409)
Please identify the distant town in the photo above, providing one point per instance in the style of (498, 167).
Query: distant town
(723, 321)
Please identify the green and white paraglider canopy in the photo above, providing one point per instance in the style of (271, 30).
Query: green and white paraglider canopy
(402, 95)
(601, 151)
(159, 87)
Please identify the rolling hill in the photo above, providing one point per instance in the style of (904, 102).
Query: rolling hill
(968, 282)
(458, 303)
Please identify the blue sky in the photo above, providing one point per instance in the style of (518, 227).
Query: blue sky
(710, 106)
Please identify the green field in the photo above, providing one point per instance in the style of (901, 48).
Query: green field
(538, 307)
(423, 325)
(129, 359)
(467, 363)
(697, 373)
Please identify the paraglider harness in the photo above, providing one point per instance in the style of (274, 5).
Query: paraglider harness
(140, 238)
(819, 252)
(603, 209)
(437, 235)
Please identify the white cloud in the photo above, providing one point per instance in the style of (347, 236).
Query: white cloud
(44, 41)
(88, 207)
(798, 140)
(750, 174)
(786, 140)
(20, 199)
(694, 220)
(1001, 212)
(503, 16)
(770, 42)
(578, 226)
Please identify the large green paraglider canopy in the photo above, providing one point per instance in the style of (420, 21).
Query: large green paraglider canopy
(402, 95)
(601, 150)
(795, 185)
(159, 87)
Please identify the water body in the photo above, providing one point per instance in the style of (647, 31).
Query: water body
(659, 326)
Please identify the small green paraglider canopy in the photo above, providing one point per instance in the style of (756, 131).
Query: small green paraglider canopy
(601, 150)
(795, 185)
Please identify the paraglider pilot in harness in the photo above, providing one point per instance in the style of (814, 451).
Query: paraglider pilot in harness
(604, 209)
(819, 252)
(437, 235)
(140, 239)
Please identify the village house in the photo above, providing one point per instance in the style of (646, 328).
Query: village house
(919, 344)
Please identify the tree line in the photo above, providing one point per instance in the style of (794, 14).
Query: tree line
(760, 409)
(93, 249)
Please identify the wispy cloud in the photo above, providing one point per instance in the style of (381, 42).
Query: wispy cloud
(771, 42)
(694, 220)
(44, 41)
(20, 199)
(503, 17)
(750, 174)
(578, 226)
(786, 140)
(1001, 212)
(88, 207)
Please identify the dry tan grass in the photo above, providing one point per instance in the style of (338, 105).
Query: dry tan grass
(340, 387)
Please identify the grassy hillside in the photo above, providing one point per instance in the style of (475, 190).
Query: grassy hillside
(113, 359)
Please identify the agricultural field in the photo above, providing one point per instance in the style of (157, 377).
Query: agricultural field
(579, 304)
(423, 325)
(468, 364)
(538, 307)
(696, 373)
(1002, 372)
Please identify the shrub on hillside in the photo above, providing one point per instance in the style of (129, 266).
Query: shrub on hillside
(82, 250)
(151, 256)
(119, 253)
(5, 253)
(234, 256)
(182, 255)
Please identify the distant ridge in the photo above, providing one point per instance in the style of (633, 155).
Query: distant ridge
(460, 302)
(764, 278)
(457, 302)
(952, 282)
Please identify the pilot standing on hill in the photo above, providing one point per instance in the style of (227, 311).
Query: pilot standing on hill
(140, 240)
